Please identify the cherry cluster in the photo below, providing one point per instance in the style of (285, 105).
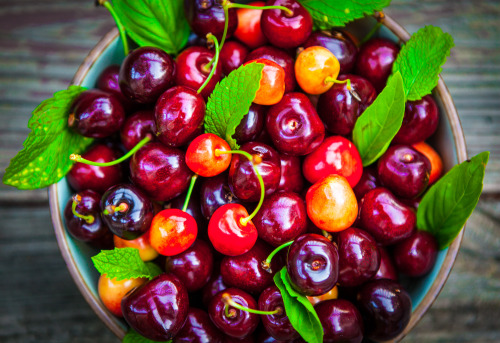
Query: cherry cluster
(344, 233)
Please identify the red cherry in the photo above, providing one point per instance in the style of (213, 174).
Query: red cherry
(172, 231)
(202, 159)
(249, 30)
(272, 83)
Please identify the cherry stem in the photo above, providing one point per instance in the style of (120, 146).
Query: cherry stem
(190, 190)
(254, 160)
(119, 24)
(370, 34)
(110, 209)
(288, 11)
(266, 264)
(334, 80)
(78, 158)
(76, 200)
(228, 301)
(214, 61)
(327, 235)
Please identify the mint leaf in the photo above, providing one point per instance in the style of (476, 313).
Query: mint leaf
(328, 14)
(380, 122)
(161, 24)
(124, 263)
(231, 100)
(420, 61)
(134, 337)
(153, 269)
(44, 160)
(445, 207)
(299, 310)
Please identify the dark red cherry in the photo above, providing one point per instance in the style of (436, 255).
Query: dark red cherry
(313, 264)
(160, 171)
(385, 218)
(127, 211)
(385, 307)
(359, 257)
(420, 121)
(214, 285)
(232, 55)
(386, 269)
(158, 309)
(404, 170)
(341, 321)
(284, 30)
(375, 60)
(198, 329)
(145, 74)
(179, 114)
(137, 127)
(339, 44)
(251, 125)
(281, 218)
(99, 179)
(238, 324)
(243, 181)
(416, 255)
(192, 70)
(215, 192)
(207, 16)
(291, 174)
(294, 125)
(96, 114)
(369, 180)
(108, 82)
(277, 325)
(193, 266)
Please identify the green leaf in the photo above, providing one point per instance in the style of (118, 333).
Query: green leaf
(328, 14)
(231, 100)
(124, 263)
(380, 122)
(445, 207)
(299, 310)
(154, 269)
(157, 23)
(133, 336)
(44, 160)
(420, 61)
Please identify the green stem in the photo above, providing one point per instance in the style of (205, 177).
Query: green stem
(119, 24)
(190, 190)
(213, 61)
(76, 200)
(266, 264)
(333, 80)
(327, 235)
(370, 34)
(226, 23)
(228, 301)
(110, 209)
(78, 158)
(288, 11)
(254, 161)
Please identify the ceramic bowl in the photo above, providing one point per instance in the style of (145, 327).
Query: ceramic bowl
(448, 140)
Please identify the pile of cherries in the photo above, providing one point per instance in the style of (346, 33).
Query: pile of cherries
(345, 233)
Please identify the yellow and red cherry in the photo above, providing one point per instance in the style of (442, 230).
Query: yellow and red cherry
(316, 69)
(111, 291)
(330, 295)
(331, 204)
(272, 83)
(143, 244)
(249, 30)
(203, 157)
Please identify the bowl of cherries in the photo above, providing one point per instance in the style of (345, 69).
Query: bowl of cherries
(280, 171)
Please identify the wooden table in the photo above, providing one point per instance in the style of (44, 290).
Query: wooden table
(41, 45)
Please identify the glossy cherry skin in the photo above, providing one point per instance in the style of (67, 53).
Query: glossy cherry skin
(179, 114)
(232, 55)
(203, 158)
(193, 208)
(367, 182)
(96, 114)
(359, 257)
(143, 244)
(108, 82)
(215, 192)
(198, 329)
(339, 109)
(281, 218)
(99, 179)
(284, 30)
(385, 218)
(111, 291)
(291, 174)
(404, 170)
(341, 321)
(158, 309)
(416, 255)
(272, 82)
(212, 287)
(294, 126)
(137, 127)
(227, 234)
(420, 121)
(145, 74)
(251, 125)
(242, 323)
(339, 44)
(375, 60)
(129, 223)
(243, 181)
(385, 307)
(160, 171)
(312, 264)
(335, 155)
(193, 266)
(207, 16)
(387, 270)
(249, 30)
(191, 70)
(315, 67)
(277, 325)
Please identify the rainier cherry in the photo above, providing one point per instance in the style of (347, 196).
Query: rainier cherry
(203, 155)
(316, 69)
(272, 83)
